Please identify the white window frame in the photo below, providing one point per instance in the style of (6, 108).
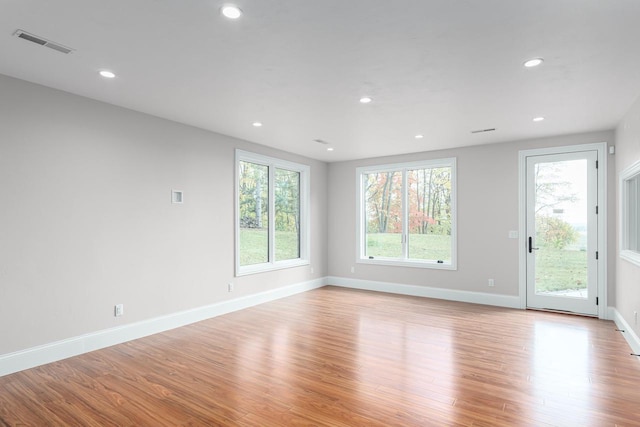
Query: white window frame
(361, 221)
(305, 187)
(629, 212)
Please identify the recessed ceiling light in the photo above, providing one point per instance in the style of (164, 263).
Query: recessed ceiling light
(533, 62)
(419, 136)
(257, 124)
(330, 149)
(538, 119)
(107, 74)
(231, 11)
(366, 99)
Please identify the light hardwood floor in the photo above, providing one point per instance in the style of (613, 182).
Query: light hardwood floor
(341, 357)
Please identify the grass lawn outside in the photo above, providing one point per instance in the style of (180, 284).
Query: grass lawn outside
(421, 246)
(560, 270)
(254, 246)
(556, 269)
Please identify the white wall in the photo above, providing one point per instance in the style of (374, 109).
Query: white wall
(627, 274)
(487, 210)
(86, 220)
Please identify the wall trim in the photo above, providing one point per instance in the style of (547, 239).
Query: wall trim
(628, 334)
(52, 352)
(428, 292)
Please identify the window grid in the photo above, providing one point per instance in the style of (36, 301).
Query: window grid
(275, 168)
(420, 239)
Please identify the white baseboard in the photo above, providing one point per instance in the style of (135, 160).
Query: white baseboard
(36, 356)
(41, 355)
(424, 291)
(628, 334)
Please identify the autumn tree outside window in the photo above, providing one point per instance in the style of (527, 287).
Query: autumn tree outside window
(406, 214)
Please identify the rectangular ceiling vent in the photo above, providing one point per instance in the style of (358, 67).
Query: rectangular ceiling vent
(483, 130)
(42, 42)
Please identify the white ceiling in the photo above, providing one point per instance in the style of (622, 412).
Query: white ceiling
(438, 68)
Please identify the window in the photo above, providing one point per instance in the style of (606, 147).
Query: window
(272, 214)
(406, 214)
(630, 212)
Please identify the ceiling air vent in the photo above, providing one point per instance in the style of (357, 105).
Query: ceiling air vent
(42, 42)
(483, 130)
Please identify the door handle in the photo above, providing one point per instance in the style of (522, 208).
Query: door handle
(531, 248)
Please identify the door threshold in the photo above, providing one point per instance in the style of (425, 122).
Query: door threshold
(572, 313)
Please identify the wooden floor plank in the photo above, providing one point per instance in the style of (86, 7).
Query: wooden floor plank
(341, 357)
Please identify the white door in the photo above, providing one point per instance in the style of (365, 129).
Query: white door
(562, 232)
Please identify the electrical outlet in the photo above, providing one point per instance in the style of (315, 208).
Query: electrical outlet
(635, 318)
(118, 310)
(353, 269)
(311, 270)
(491, 282)
(230, 286)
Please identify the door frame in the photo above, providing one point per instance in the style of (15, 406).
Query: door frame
(601, 148)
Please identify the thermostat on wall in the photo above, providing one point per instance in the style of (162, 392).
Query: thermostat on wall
(176, 196)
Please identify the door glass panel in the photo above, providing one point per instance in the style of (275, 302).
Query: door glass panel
(561, 214)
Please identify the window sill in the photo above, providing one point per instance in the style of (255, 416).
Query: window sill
(261, 268)
(406, 263)
(631, 256)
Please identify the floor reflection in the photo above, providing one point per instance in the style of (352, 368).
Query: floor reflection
(560, 369)
(340, 357)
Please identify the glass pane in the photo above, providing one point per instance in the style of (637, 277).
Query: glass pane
(287, 195)
(561, 228)
(383, 210)
(430, 214)
(253, 188)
